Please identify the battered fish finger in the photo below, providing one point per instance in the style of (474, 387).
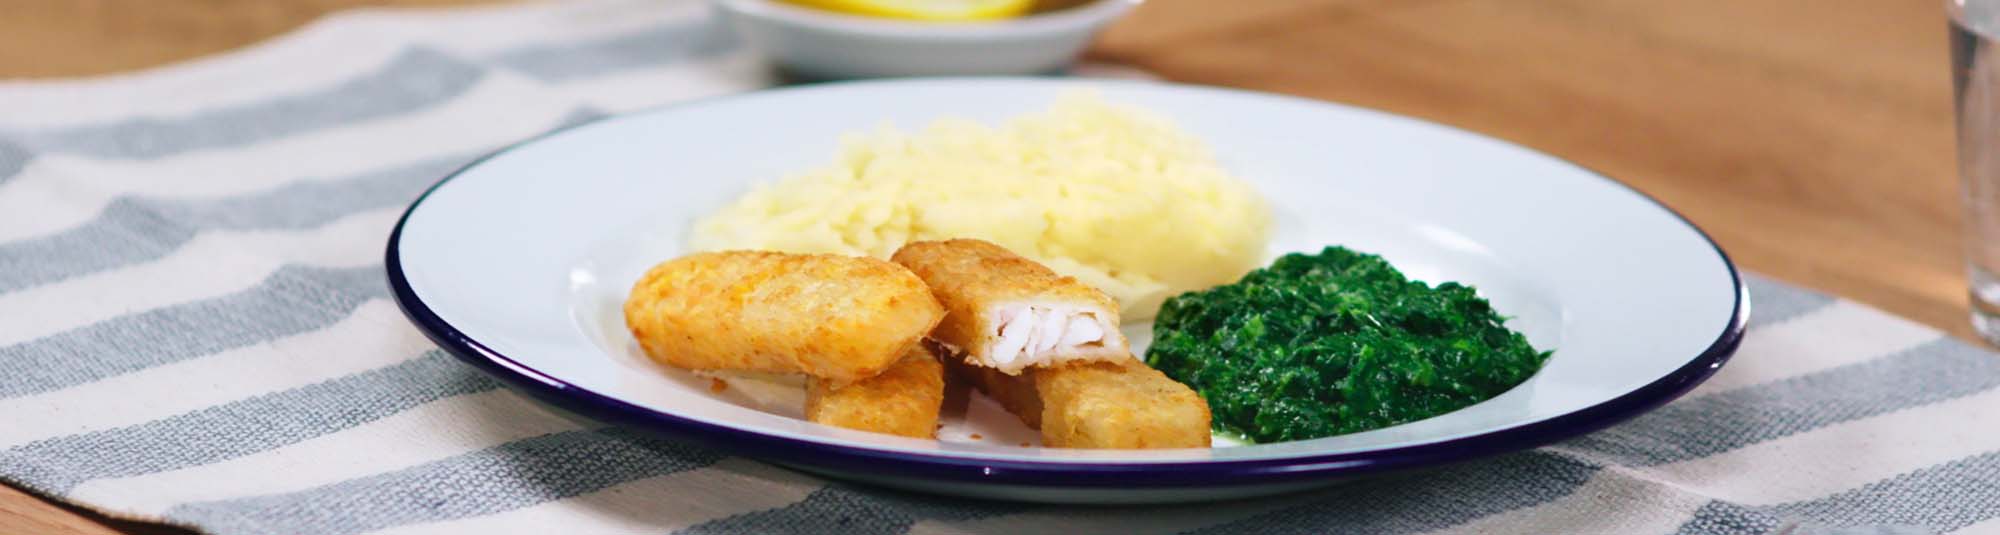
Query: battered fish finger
(902, 400)
(1104, 405)
(832, 317)
(1009, 313)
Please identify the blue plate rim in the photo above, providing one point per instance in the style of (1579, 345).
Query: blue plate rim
(1166, 474)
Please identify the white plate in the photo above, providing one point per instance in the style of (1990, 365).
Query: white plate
(520, 262)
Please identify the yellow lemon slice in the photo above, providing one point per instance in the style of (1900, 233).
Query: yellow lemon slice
(938, 10)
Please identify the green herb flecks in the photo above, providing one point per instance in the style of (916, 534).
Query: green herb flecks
(1336, 343)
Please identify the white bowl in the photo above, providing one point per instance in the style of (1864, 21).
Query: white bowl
(823, 44)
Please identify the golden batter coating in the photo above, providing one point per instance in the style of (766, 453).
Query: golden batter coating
(1119, 405)
(1106, 405)
(902, 400)
(1009, 313)
(833, 317)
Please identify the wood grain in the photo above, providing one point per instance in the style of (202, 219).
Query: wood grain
(1812, 138)
(44, 38)
(25, 513)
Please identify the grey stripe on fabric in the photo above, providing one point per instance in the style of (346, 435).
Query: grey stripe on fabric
(1887, 529)
(1943, 497)
(416, 79)
(857, 511)
(1724, 518)
(133, 230)
(1698, 427)
(502, 478)
(250, 425)
(667, 43)
(291, 301)
(1940, 498)
(13, 158)
(1773, 302)
(1427, 501)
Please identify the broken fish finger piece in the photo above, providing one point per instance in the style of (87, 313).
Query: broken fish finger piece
(1104, 405)
(1006, 312)
(839, 318)
(902, 400)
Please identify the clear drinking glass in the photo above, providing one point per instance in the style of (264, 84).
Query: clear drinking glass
(1975, 74)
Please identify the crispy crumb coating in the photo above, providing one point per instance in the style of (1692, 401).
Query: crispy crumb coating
(902, 400)
(977, 280)
(1108, 405)
(832, 317)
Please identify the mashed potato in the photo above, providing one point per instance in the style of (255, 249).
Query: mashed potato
(1117, 197)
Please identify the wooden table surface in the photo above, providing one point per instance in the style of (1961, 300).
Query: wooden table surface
(1812, 138)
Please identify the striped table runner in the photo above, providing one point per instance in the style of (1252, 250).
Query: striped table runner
(194, 329)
